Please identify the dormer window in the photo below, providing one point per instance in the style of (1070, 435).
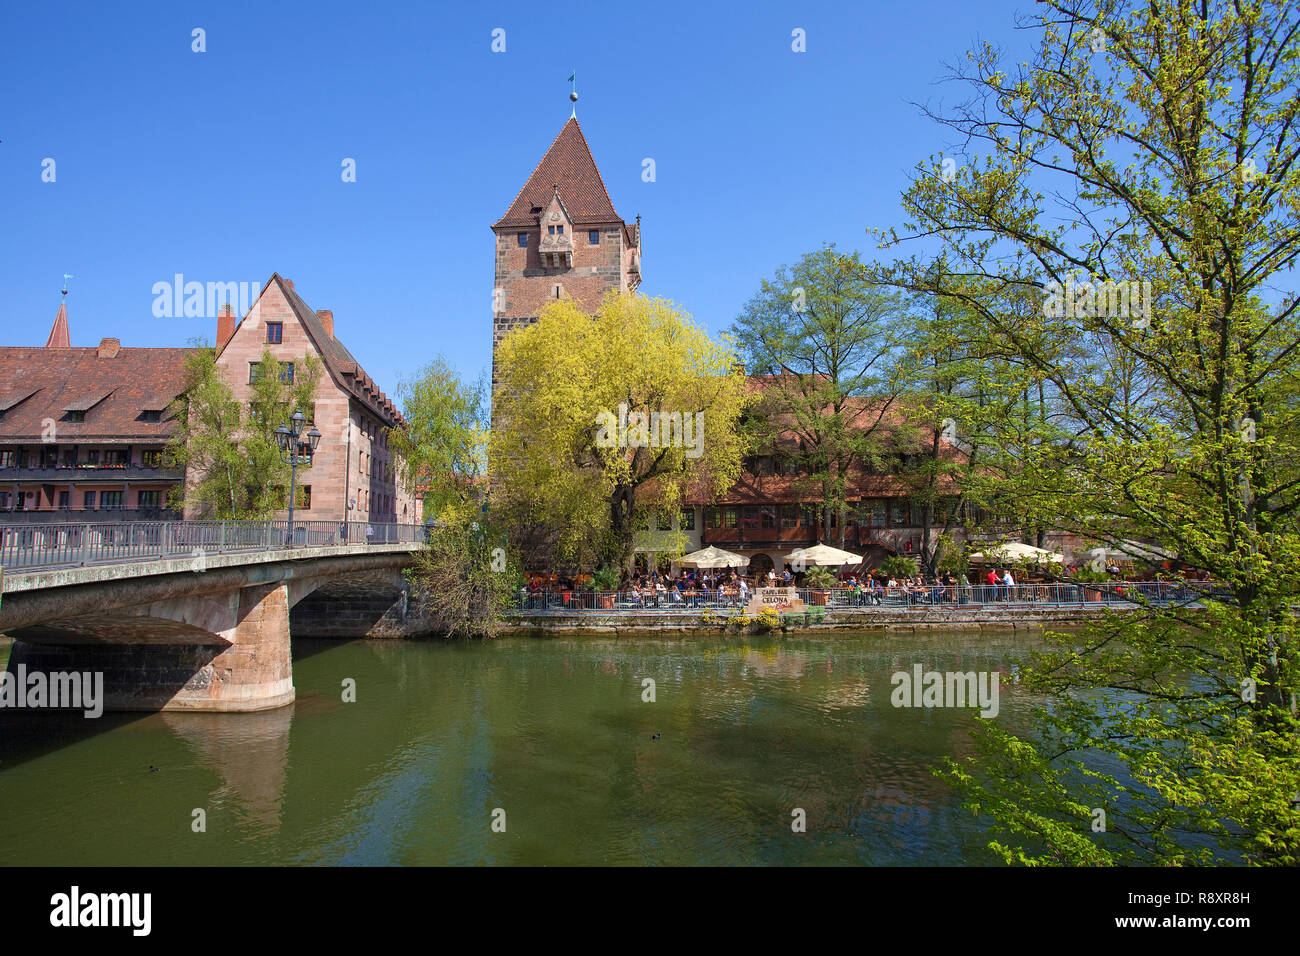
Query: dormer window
(555, 249)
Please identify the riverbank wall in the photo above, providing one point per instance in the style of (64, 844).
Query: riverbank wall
(380, 616)
(917, 619)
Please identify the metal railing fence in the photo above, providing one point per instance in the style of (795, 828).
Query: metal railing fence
(1057, 595)
(74, 544)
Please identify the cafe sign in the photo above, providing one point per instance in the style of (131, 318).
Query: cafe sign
(781, 599)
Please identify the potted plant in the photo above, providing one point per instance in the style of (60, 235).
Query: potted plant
(604, 582)
(1087, 576)
(819, 581)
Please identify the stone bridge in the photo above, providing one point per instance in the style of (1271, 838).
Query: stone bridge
(208, 633)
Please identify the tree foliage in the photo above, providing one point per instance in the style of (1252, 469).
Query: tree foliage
(233, 467)
(825, 340)
(561, 458)
(1144, 143)
(443, 448)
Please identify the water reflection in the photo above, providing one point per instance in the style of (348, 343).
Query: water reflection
(249, 752)
(557, 733)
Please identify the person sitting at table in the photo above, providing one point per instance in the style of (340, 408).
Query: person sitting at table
(936, 591)
(877, 589)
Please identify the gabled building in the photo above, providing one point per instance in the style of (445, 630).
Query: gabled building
(775, 506)
(82, 429)
(353, 474)
(561, 238)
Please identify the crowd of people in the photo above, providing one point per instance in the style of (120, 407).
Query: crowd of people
(734, 586)
(870, 587)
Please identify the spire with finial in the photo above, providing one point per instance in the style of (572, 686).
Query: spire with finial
(59, 337)
(573, 95)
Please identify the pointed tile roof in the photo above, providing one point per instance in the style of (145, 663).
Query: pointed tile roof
(59, 338)
(339, 362)
(569, 163)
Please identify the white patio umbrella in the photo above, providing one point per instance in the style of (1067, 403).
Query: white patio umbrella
(1016, 553)
(821, 555)
(1131, 551)
(712, 557)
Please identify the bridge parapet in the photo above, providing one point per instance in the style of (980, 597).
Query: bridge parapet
(80, 544)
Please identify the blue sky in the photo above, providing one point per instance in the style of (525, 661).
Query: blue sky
(225, 165)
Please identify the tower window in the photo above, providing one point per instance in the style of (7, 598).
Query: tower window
(523, 240)
(555, 290)
(594, 237)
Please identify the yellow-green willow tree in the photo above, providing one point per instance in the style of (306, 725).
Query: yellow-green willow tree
(568, 453)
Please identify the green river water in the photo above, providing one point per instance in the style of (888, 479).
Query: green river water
(553, 732)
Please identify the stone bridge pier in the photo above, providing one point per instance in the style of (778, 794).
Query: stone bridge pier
(176, 639)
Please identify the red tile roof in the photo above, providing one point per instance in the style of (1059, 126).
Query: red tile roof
(43, 383)
(568, 162)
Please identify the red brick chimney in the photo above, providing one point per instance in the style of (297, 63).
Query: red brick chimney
(225, 325)
(326, 317)
(108, 348)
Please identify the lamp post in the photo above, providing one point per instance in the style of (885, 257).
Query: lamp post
(293, 452)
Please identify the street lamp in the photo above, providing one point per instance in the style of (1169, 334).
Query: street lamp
(293, 452)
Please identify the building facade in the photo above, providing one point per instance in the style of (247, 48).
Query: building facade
(82, 430)
(353, 475)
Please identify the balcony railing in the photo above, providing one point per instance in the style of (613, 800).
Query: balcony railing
(15, 516)
(74, 544)
(61, 474)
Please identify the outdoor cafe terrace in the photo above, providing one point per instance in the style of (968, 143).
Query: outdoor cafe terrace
(866, 600)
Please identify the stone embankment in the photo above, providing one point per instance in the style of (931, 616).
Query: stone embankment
(916, 619)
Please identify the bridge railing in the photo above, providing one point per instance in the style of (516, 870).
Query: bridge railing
(78, 543)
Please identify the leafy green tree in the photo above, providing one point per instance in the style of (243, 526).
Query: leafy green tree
(443, 448)
(465, 579)
(232, 463)
(825, 339)
(1142, 143)
(468, 573)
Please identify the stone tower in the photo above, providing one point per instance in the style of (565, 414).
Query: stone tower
(560, 238)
